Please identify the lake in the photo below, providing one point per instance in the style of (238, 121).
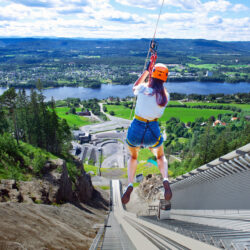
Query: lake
(122, 91)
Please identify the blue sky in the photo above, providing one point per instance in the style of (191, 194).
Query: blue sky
(225, 20)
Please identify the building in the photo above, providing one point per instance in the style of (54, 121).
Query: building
(84, 113)
(209, 73)
(218, 122)
(81, 136)
(203, 124)
(234, 119)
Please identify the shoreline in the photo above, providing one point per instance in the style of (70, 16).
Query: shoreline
(123, 91)
(115, 84)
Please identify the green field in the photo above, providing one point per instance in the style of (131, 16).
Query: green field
(197, 59)
(174, 103)
(123, 112)
(72, 120)
(184, 114)
(202, 66)
(245, 107)
(213, 66)
(189, 115)
(236, 66)
(120, 111)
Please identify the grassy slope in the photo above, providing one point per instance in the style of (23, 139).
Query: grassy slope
(144, 154)
(29, 149)
(31, 156)
(72, 120)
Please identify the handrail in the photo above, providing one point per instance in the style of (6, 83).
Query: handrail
(97, 240)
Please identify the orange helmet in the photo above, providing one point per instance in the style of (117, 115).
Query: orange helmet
(160, 71)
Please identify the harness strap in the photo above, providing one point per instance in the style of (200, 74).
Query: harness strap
(145, 120)
(158, 141)
(158, 138)
(148, 127)
(142, 139)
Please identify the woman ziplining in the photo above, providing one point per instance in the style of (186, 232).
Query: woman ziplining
(144, 131)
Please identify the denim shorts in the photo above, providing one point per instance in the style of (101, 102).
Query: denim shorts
(146, 134)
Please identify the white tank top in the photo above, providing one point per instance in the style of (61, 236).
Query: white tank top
(146, 105)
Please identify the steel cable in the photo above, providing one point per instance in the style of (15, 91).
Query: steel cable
(146, 60)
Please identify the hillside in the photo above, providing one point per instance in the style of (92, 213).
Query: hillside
(36, 226)
(122, 46)
(47, 200)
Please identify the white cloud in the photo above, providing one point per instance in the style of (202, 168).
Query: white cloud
(108, 13)
(185, 4)
(70, 11)
(93, 19)
(239, 7)
(176, 17)
(215, 20)
(51, 3)
(14, 12)
(147, 4)
(219, 5)
(37, 3)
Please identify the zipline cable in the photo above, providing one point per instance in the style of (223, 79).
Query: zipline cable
(146, 60)
(154, 34)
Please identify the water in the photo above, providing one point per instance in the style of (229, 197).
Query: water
(126, 90)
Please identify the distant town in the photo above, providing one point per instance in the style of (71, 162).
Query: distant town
(79, 63)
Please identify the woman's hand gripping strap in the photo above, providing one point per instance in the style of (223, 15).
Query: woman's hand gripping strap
(151, 64)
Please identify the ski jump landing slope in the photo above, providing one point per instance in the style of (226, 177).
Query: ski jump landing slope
(145, 235)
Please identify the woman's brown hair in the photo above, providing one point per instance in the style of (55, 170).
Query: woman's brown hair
(159, 91)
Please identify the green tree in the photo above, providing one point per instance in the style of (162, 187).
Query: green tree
(205, 146)
(8, 101)
(3, 121)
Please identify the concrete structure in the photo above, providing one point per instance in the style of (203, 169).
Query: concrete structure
(210, 209)
(93, 156)
(209, 73)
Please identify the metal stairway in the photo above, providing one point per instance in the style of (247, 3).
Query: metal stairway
(219, 237)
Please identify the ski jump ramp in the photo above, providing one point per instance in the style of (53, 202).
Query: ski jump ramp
(145, 235)
(210, 210)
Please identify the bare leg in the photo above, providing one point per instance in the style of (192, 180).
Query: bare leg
(132, 163)
(161, 160)
(163, 167)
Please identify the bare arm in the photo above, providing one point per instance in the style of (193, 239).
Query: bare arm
(141, 79)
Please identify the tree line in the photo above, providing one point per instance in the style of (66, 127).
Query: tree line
(224, 107)
(31, 120)
(204, 142)
(218, 98)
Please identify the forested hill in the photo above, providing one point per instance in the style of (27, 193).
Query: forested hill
(134, 47)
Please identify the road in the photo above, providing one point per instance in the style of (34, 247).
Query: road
(114, 156)
(114, 123)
